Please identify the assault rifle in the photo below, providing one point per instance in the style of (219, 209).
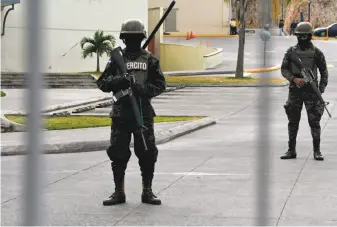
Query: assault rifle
(309, 78)
(117, 58)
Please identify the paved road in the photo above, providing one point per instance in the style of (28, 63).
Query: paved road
(205, 178)
(15, 100)
(253, 50)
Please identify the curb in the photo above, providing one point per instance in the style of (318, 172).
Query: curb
(261, 70)
(212, 72)
(74, 104)
(201, 35)
(283, 84)
(10, 126)
(85, 106)
(85, 146)
(196, 73)
(324, 38)
(65, 106)
(81, 103)
(209, 35)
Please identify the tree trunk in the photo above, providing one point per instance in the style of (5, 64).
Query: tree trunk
(233, 7)
(97, 66)
(242, 37)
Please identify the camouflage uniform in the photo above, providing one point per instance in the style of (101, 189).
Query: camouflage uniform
(312, 58)
(150, 82)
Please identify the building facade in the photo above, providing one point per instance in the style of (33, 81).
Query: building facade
(65, 23)
(199, 16)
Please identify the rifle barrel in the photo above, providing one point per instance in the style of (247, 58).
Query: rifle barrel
(161, 21)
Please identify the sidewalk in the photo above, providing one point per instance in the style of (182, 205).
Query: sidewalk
(72, 135)
(15, 100)
(93, 139)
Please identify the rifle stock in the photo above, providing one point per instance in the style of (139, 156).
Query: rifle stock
(161, 21)
(117, 57)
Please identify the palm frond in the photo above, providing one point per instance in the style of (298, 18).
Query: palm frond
(88, 40)
(99, 44)
(112, 41)
(88, 51)
(106, 47)
(110, 38)
(98, 37)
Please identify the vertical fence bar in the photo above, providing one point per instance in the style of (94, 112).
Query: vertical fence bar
(33, 174)
(262, 169)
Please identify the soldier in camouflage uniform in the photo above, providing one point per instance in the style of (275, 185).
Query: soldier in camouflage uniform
(312, 58)
(150, 82)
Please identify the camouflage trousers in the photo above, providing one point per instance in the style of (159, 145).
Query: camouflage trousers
(293, 108)
(119, 150)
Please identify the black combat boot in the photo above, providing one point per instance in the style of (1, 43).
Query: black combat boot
(291, 153)
(119, 195)
(148, 196)
(317, 151)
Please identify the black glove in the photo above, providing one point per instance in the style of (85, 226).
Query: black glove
(139, 89)
(121, 82)
(321, 89)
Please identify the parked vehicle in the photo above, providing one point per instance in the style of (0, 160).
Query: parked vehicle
(321, 31)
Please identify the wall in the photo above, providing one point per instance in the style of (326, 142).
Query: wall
(63, 30)
(213, 58)
(180, 58)
(205, 16)
(154, 16)
(323, 12)
(254, 13)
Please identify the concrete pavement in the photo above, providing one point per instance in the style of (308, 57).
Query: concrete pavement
(207, 177)
(204, 178)
(15, 100)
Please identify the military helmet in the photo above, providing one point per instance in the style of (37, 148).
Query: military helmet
(303, 28)
(132, 27)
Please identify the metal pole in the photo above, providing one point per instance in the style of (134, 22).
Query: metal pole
(33, 178)
(264, 53)
(262, 152)
(309, 10)
(282, 9)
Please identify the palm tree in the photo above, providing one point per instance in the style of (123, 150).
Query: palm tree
(99, 45)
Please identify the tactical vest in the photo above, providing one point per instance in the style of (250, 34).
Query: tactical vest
(138, 67)
(308, 59)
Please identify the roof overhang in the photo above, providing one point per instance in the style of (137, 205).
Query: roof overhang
(5, 3)
(9, 2)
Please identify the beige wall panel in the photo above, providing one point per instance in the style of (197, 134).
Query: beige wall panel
(199, 16)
